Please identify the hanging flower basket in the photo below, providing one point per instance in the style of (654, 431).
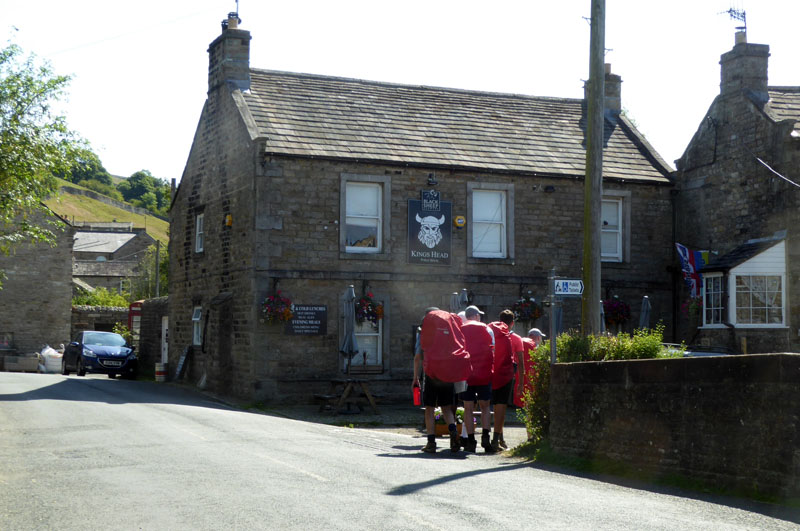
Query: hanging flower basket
(276, 308)
(526, 310)
(616, 311)
(368, 310)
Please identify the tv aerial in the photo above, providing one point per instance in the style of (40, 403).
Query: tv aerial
(737, 14)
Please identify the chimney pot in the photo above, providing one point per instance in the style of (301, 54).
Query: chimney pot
(741, 37)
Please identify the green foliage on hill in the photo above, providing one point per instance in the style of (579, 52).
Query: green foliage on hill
(82, 208)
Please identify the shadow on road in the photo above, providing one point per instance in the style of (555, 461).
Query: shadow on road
(411, 488)
(109, 391)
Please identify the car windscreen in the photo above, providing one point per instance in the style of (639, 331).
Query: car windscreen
(104, 339)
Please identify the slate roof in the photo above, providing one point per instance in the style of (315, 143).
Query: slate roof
(100, 242)
(329, 117)
(784, 104)
(740, 254)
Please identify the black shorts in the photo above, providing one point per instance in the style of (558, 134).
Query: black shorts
(476, 392)
(437, 393)
(503, 395)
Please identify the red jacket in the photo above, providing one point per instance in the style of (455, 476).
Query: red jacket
(444, 355)
(529, 366)
(503, 355)
(481, 352)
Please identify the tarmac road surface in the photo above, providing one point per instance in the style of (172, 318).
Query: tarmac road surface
(95, 453)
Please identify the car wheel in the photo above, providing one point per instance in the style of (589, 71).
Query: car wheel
(64, 369)
(81, 370)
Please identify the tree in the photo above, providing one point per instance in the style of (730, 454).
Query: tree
(144, 190)
(88, 167)
(35, 144)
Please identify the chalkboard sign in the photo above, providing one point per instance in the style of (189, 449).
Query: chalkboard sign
(308, 320)
(182, 363)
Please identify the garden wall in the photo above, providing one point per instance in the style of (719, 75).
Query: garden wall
(730, 421)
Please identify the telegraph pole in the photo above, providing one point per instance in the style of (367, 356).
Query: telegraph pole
(158, 273)
(593, 181)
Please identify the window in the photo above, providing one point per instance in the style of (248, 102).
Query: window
(713, 299)
(370, 339)
(759, 299)
(363, 220)
(199, 238)
(197, 326)
(611, 230)
(490, 232)
(363, 210)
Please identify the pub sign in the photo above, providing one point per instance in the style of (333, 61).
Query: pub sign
(429, 231)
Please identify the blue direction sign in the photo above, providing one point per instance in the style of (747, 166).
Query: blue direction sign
(567, 287)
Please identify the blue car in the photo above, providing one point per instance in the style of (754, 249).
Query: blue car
(99, 352)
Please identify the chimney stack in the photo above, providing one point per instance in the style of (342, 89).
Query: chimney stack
(744, 67)
(613, 91)
(229, 56)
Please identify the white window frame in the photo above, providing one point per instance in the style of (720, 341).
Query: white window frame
(199, 234)
(710, 282)
(383, 183)
(623, 199)
(506, 221)
(616, 232)
(367, 329)
(737, 295)
(197, 325)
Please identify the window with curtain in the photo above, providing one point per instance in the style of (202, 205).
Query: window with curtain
(713, 307)
(363, 220)
(759, 299)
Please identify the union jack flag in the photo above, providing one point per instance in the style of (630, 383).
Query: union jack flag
(691, 263)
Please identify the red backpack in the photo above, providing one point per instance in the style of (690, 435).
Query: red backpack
(444, 355)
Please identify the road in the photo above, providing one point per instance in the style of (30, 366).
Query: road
(95, 453)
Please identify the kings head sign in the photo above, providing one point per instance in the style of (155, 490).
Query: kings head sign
(429, 233)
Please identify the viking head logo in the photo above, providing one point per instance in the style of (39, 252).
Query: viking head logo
(429, 233)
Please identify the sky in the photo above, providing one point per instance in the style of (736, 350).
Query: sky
(139, 69)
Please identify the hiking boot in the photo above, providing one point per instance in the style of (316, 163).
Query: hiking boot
(464, 442)
(455, 443)
(496, 443)
(502, 442)
(430, 447)
(486, 445)
(470, 445)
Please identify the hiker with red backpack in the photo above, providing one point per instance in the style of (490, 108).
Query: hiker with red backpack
(445, 361)
(480, 345)
(507, 361)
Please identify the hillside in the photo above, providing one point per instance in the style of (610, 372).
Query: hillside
(81, 208)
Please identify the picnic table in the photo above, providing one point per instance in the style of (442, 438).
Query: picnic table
(347, 391)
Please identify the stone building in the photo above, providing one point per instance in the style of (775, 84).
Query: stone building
(106, 255)
(36, 295)
(739, 199)
(300, 185)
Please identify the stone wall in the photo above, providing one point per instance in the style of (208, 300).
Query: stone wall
(107, 200)
(729, 421)
(101, 318)
(37, 293)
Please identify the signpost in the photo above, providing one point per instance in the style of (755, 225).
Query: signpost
(558, 289)
(568, 287)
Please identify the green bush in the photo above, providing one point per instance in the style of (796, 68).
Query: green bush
(100, 297)
(572, 347)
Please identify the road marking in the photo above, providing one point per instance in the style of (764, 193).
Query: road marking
(287, 465)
